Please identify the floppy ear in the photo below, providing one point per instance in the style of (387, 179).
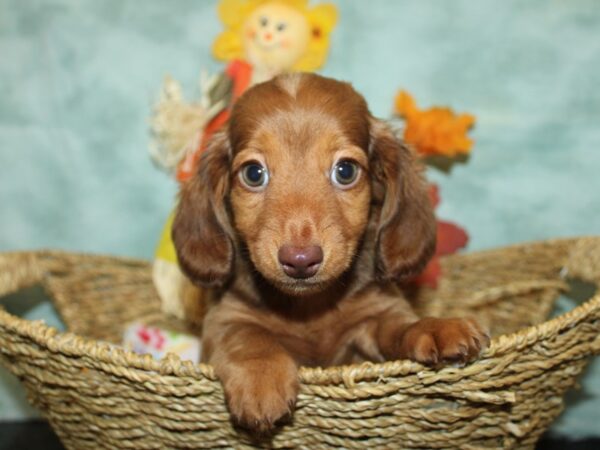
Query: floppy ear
(202, 233)
(406, 230)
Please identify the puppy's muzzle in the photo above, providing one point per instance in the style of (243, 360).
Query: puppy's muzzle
(300, 262)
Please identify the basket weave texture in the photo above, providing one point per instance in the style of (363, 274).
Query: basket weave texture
(96, 395)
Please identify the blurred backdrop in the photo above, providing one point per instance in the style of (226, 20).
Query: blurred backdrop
(78, 80)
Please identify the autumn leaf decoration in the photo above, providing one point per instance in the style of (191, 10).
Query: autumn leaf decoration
(438, 134)
(440, 138)
(450, 239)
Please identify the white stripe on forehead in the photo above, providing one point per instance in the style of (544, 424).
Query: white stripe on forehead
(290, 83)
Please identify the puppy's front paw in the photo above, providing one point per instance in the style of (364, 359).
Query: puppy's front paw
(261, 394)
(434, 341)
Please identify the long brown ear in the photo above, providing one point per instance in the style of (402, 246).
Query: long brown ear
(202, 229)
(406, 230)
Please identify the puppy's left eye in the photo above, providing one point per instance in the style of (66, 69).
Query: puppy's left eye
(254, 176)
(345, 174)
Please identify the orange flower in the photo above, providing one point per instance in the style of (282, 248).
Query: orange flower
(435, 131)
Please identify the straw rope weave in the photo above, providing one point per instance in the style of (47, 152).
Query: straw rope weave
(97, 396)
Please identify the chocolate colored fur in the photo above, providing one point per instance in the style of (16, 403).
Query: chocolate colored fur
(265, 323)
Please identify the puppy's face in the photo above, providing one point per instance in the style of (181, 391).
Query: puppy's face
(300, 189)
(300, 172)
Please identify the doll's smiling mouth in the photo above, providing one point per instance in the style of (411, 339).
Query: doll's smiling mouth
(267, 45)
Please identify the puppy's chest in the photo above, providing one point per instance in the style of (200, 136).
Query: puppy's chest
(325, 341)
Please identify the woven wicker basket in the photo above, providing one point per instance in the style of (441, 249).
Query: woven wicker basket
(98, 396)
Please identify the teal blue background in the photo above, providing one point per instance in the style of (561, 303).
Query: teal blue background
(78, 79)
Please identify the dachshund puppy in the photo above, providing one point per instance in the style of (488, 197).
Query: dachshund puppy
(303, 216)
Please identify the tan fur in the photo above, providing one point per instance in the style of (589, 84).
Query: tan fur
(266, 324)
(291, 83)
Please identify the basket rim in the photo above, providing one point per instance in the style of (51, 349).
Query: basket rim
(74, 345)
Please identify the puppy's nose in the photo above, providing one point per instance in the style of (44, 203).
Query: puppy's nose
(300, 262)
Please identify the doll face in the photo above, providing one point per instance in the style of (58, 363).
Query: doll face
(275, 37)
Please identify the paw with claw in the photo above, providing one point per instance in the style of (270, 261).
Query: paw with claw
(261, 395)
(434, 342)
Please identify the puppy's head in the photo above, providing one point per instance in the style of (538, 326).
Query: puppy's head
(297, 176)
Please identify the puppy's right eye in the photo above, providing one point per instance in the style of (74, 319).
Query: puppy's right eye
(254, 176)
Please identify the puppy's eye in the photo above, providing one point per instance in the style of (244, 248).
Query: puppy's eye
(254, 176)
(345, 173)
(281, 26)
(263, 21)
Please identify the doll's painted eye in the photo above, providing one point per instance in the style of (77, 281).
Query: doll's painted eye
(345, 174)
(263, 21)
(254, 176)
(281, 26)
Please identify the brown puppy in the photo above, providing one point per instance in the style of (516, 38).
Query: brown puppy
(304, 213)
